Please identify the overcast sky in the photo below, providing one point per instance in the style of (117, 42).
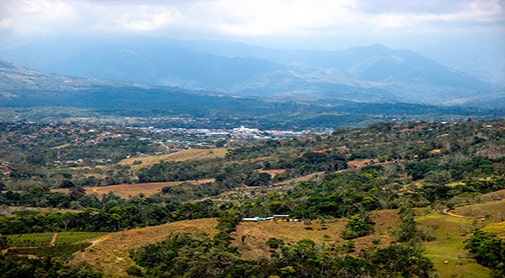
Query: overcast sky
(426, 26)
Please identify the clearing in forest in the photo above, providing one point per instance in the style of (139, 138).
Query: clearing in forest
(126, 190)
(192, 154)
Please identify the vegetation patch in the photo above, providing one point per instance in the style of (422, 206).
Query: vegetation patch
(34, 239)
(496, 228)
(63, 251)
(451, 260)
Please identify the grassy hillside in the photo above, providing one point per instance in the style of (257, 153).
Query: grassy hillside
(251, 237)
(446, 251)
(452, 229)
(110, 253)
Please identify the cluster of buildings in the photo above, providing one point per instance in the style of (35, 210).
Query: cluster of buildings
(275, 217)
(235, 133)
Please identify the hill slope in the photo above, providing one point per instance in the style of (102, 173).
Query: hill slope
(110, 253)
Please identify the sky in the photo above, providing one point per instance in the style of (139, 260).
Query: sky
(476, 28)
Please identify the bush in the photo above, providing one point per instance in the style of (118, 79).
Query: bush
(135, 270)
(358, 226)
(488, 250)
(275, 243)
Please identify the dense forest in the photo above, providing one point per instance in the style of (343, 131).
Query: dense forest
(346, 174)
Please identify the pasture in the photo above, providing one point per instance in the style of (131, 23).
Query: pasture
(251, 237)
(447, 250)
(192, 154)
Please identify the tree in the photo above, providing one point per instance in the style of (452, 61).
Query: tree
(258, 179)
(67, 184)
(358, 226)
(76, 192)
(488, 250)
(407, 229)
(401, 261)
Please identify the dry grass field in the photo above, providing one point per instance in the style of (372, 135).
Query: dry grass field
(360, 163)
(9, 210)
(130, 190)
(193, 154)
(491, 210)
(255, 234)
(110, 253)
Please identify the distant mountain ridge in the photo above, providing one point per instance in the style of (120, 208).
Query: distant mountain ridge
(15, 77)
(364, 74)
(27, 94)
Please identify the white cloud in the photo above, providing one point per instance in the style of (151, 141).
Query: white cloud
(137, 18)
(34, 16)
(263, 17)
(249, 19)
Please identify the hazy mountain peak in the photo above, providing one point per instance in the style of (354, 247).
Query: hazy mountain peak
(376, 48)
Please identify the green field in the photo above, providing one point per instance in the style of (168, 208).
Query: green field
(26, 240)
(447, 251)
(44, 239)
(451, 260)
(38, 244)
(73, 237)
(62, 251)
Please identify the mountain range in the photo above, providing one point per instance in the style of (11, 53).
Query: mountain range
(27, 94)
(362, 74)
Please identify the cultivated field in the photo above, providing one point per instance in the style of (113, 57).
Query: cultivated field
(45, 239)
